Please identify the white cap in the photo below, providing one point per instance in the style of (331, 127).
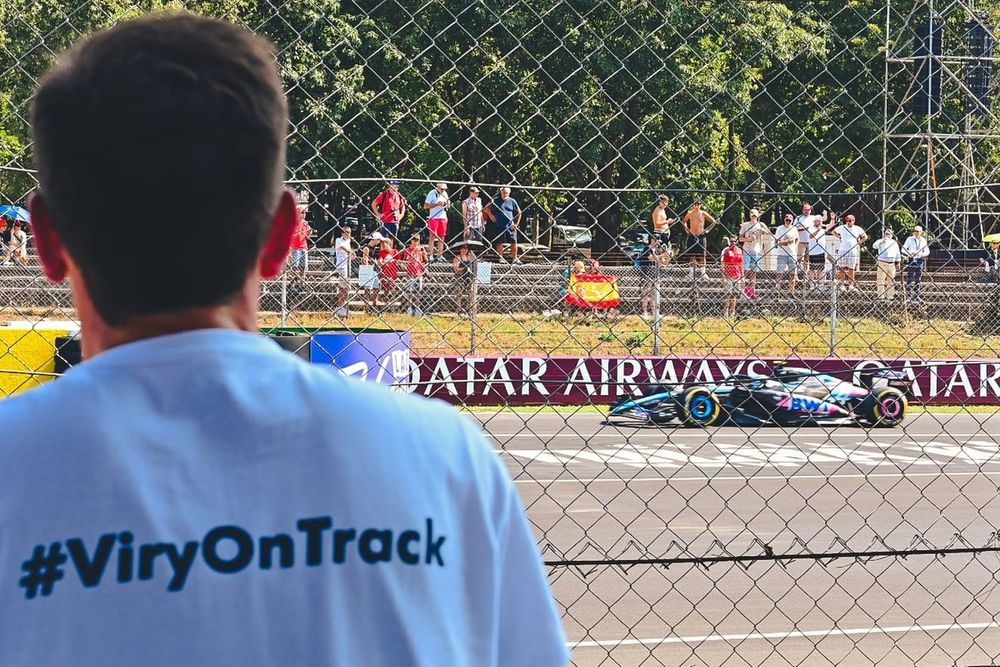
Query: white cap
(754, 211)
(918, 228)
(376, 236)
(443, 186)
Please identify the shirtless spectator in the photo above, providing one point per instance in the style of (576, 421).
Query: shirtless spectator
(751, 236)
(661, 222)
(697, 230)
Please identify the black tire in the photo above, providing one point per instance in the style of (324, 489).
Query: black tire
(885, 407)
(701, 407)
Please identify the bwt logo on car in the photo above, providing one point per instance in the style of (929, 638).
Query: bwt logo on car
(810, 405)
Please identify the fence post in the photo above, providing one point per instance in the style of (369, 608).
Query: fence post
(284, 298)
(656, 305)
(834, 289)
(473, 298)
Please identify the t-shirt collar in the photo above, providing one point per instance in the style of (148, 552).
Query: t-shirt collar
(185, 344)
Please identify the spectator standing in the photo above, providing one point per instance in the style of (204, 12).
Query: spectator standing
(697, 230)
(415, 258)
(786, 238)
(887, 259)
(752, 236)
(990, 262)
(388, 270)
(649, 261)
(506, 213)
(389, 208)
(817, 250)
(17, 249)
(852, 238)
(369, 257)
(343, 256)
(807, 223)
(437, 203)
(916, 250)
(472, 217)
(299, 258)
(732, 275)
(463, 265)
(382, 531)
(660, 219)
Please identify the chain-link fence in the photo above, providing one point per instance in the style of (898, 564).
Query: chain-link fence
(740, 440)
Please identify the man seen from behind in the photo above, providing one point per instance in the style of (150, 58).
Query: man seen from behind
(190, 494)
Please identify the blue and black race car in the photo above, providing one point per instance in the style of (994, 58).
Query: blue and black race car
(788, 397)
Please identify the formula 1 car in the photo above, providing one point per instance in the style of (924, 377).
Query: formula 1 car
(788, 397)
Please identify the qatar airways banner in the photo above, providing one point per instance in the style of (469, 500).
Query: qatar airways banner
(585, 380)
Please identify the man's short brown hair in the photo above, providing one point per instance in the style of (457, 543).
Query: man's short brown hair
(160, 129)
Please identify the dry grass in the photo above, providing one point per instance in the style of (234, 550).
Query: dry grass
(527, 334)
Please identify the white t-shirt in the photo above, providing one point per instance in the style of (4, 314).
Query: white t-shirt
(849, 238)
(342, 255)
(817, 239)
(755, 231)
(221, 502)
(435, 197)
(782, 233)
(887, 249)
(805, 224)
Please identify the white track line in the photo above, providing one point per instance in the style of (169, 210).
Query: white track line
(834, 632)
(754, 478)
(720, 436)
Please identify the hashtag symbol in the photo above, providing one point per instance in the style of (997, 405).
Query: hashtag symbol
(42, 570)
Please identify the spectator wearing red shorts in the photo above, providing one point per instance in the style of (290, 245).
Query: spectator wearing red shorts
(732, 275)
(415, 257)
(437, 220)
(388, 270)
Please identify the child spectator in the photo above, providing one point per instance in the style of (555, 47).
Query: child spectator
(415, 257)
(388, 270)
(732, 275)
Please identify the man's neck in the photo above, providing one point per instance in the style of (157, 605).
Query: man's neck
(97, 335)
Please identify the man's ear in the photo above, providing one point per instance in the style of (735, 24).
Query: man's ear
(48, 245)
(279, 241)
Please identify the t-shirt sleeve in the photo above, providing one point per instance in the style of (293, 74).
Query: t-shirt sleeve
(431, 199)
(531, 632)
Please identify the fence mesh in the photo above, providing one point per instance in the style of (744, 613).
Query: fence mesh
(655, 404)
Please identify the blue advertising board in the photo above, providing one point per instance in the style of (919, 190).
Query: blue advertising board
(371, 355)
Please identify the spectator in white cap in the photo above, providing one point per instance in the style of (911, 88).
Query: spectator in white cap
(437, 204)
(752, 237)
(852, 238)
(887, 259)
(916, 252)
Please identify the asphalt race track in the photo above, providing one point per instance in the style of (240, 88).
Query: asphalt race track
(596, 492)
